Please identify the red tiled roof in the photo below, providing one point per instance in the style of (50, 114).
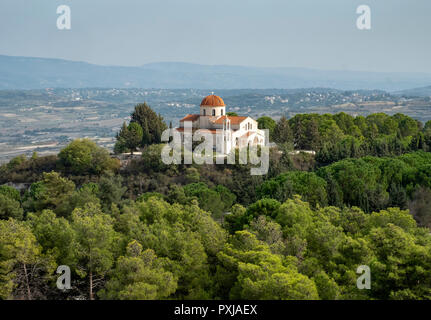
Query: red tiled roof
(233, 119)
(212, 101)
(190, 117)
(213, 131)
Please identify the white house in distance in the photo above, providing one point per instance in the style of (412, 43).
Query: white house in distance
(233, 131)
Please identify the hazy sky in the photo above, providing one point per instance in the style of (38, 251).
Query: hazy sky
(290, 33)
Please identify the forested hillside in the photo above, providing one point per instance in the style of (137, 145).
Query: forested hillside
(141, 229)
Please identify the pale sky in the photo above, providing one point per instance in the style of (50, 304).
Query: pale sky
(269, 33)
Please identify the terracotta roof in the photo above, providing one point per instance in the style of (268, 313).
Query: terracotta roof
(233, 119)
(190, 117)
(213, 131)
(213, 101)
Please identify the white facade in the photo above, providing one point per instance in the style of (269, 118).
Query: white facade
(234, 131)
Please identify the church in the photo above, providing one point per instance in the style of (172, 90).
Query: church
(232, 131)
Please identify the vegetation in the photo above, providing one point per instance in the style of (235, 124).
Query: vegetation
(146, 230)
(129, 138)
(145, 128)
(83, 156)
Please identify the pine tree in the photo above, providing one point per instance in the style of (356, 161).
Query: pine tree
(282, 131)
(146, 136)
(151, 123)
(299, 134)
(313, 137)
(134, 136)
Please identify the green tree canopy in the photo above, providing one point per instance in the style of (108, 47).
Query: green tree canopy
(151, 123)
(129, 138)
(96, 244)
(83, 156)
(267, 123)
(52, 192)
(22, 265)
(307, 184)
(139, 275)
(10, 192)
(10, 208)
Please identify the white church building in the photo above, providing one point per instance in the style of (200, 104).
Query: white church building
(231, 131)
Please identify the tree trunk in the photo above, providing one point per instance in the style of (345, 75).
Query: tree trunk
(91, 286)
(27, 282)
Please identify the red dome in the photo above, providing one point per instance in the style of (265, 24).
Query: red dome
(213, 101)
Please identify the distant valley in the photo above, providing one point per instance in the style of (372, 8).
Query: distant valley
(45, 103)
(45, 120)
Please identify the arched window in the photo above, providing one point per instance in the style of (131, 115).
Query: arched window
(213, 112)
(205, 112)
(221, 112)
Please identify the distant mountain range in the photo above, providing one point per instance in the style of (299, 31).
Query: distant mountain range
(39, 73)
(416, 92)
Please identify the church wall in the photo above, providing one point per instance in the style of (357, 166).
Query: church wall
(209, 109)
(237, 136)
